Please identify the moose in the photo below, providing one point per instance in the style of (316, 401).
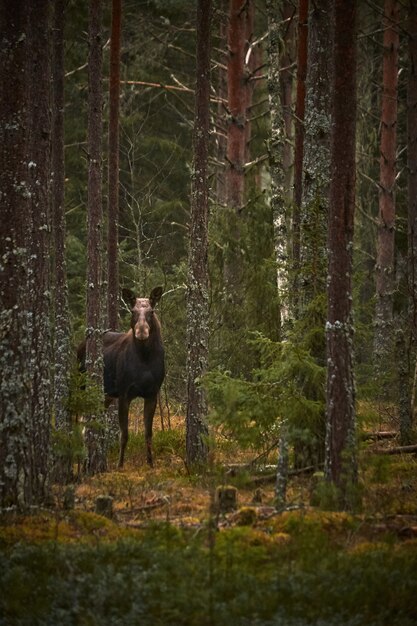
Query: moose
(133, 365)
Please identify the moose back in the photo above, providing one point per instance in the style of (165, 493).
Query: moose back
(134, 365)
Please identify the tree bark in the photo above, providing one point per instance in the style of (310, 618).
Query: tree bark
(341, 460)
(412, 179)
(316, 153)
(95, 431)
(236, 96)
(113, 286)
(280, 29)
(39, 166)
(62, 326)
(386, 217)
(15, 335)
(302, 51)
(197, 300)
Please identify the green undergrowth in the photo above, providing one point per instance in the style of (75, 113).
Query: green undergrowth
(295, 569)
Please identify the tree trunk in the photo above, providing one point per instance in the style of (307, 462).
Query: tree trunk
(236, 96)
(279, 92)
(299, 143)
(280, 29)
(95, 431)
(315, 205)
(62, 326)
(386, 218)
(412, 178)
(113, 287)
(341, 460)
(197, 301)
(15, 336)
(39, 166)
(316, 153)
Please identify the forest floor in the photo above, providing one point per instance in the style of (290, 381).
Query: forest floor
(167, 556)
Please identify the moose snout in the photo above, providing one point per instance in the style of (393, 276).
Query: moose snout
(142, 331)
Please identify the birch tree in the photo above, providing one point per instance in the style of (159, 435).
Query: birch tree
(197, 294)
(279, 88)
(341, 461)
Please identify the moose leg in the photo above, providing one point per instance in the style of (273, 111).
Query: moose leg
(123, 424)
(148, 413)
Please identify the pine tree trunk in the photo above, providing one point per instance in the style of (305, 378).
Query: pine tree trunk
(316, 153)
(113, 171)
(95, 431)
(386, 217)
(39, 166)
(61, 318)
(315, 201)
(412, 180)
(197, 300)
(341, 461)
(15, 336)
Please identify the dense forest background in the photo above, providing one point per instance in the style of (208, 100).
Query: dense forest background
(257, 160)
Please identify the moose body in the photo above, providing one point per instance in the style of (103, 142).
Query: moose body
(134, 366)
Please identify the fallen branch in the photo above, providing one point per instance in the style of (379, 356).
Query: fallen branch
(397, 450)
(382, 434)
(270, 478)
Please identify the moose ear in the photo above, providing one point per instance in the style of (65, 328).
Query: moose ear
(155, 296)
(129, 297)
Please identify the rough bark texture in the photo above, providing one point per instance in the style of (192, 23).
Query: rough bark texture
(280, 51)
(197, 300)
(386, 217)
(95, 436)
(113, 171)
(316, 160)
(341, 461)
(62, 327)
(412, 176)
(299, 138)
(280, 29)
(236, 96)
(15, 335)
(39, 149)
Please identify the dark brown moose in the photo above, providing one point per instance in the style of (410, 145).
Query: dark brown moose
(134, 365)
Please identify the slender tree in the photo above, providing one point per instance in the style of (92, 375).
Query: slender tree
(412, 188)
(302, 50)
(197, 301)
(113, 286)
(95, 432)
(61, 317)
(341, 462)
(279, 93)
(15, 336)
(280, 29)
(386, 215)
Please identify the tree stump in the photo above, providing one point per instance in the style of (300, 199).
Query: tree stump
(104, 506)
(226, 498)
(68, 501)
